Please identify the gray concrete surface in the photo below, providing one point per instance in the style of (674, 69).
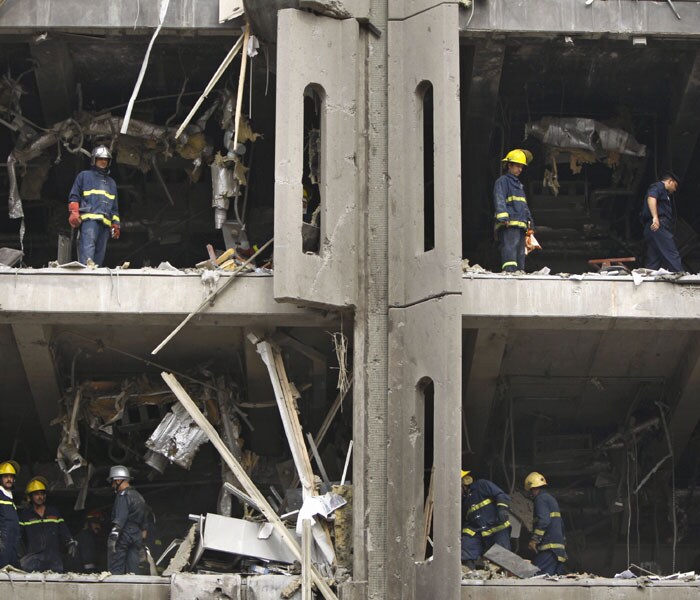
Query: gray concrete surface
(620, 19)
(576, 589)
(424, 49)
(328, 278)
(136, 296)
(76, 15)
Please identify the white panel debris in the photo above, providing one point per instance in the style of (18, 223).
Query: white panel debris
(230, 9)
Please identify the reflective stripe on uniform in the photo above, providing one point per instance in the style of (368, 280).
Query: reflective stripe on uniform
(516, 199)
(99, 193)
(510, 263)
(96, 217)
(12, 504)
(551, 547)
(40, 521)
(555, 514)
(513, 224)
(503, 215)
(116, 218)
(483, 503)
(502, 504)
(539, 532)
(468, 531)
(495, 529)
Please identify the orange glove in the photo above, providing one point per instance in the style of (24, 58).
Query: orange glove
(74, 216)
(115, 231)
(532, 546)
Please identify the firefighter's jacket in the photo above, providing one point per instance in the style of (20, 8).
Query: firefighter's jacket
(480, 509)
(510, 202)
(96, 192)
(9, 531)
(129, 514)
(548, 527)
(44, 535)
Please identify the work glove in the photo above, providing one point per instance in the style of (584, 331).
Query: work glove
(503, 514)
(72, 548)
(112, 542)
(532, 546)
(74, 216)
(116, 230)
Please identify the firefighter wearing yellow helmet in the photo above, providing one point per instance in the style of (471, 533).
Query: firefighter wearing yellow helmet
(485, 518)
(9, 522)
(43, 530)
(513, 217)
(548, 541)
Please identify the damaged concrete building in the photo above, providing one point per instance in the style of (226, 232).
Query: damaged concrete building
(346, 370)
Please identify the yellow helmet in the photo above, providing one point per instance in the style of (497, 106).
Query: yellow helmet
(534, 480)
(36, 484)
(518, 156)
(467, 479)
(9, 467)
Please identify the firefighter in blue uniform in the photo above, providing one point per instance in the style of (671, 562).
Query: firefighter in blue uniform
(548, 541)
(94, 209)
(9, 522)
(657, 218)
(485, 518)
(90, 542)
(513, 217)
(44, 531)
(129, 524)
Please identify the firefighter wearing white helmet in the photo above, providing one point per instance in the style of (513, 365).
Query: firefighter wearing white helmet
(9, 521)
(44, 531)
(93, 207)
(513, 217)
(485, 518)
(125, 541)
(548, 541)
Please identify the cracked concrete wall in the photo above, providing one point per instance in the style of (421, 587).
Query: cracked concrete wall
(403, 9)
(424, 342)
(323, 52)
(424, 48)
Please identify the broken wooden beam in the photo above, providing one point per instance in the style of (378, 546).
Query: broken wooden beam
(247, 483)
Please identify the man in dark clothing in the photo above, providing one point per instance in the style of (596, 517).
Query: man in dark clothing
(9, 522)
(44, 531)
(548, 541)
(513, 217)
(94, 208)
(125, 542)
(485, 518)
(91, 544)
(657, 219)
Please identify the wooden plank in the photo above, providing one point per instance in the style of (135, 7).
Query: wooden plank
(247, 483)
(284, 395)
(511, 562)
(306, 538)
(428, 511)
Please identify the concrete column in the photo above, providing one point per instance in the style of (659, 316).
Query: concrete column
(318, 51)
(424, 299)
(33, 344)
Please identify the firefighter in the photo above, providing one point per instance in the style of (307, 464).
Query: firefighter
(90, 542)
(547, 541)
(513, 217)
(93, 208)
(44, 531)
(9, 522)
(125, 541)
(485, 518)
(657, 218)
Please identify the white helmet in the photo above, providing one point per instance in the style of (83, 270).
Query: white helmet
(101, 151)
(118, 472)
